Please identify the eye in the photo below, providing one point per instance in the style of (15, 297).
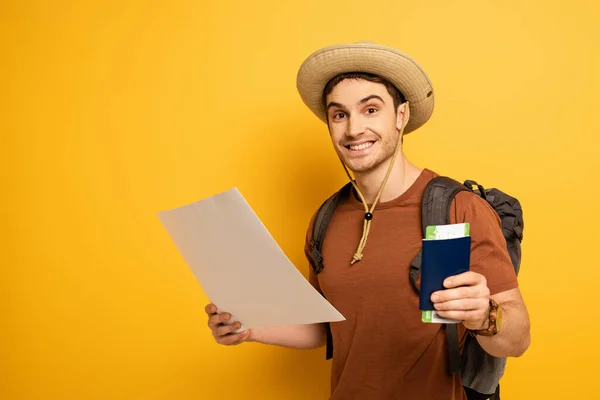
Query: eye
(371, 110)
(339, 115)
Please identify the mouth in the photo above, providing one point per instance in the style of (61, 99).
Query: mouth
(360, 146)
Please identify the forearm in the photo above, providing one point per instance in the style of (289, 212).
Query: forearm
(306, 336)
(513, 338)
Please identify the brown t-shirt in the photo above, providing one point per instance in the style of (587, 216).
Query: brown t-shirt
(383, 350)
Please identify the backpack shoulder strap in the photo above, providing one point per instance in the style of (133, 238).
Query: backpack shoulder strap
(435, 210)
(321, 222)
(437, 199)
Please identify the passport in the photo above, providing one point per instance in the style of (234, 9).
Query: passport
(444, 256)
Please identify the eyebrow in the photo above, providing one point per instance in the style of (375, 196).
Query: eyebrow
(371, 97)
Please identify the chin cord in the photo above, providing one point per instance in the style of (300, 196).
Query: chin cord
(369, 212)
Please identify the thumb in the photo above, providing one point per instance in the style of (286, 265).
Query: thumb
(248, 336)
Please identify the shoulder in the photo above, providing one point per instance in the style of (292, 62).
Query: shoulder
(489, 254)
(466, 204)
(468, 207)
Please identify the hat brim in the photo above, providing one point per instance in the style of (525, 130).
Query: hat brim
(393, 65)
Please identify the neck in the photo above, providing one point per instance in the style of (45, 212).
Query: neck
(402, 176)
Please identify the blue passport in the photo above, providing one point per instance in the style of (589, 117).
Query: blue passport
(441, 259)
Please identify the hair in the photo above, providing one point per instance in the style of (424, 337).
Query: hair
(397, 96)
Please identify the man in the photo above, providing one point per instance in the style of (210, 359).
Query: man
(369, 96)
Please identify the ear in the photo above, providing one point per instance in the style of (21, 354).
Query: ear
(403, 115)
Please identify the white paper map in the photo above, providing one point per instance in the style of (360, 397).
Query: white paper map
(239, 265)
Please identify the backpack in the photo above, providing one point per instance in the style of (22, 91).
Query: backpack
(480, 372)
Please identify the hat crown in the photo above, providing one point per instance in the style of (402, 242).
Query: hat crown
(398, 68)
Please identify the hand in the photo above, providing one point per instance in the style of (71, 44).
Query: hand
(221, 332)
(466, 298)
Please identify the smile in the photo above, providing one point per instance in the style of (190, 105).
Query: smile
(361, 146)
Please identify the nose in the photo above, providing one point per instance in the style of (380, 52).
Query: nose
(355, 127)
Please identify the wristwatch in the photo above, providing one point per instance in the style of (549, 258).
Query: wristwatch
(495, 320)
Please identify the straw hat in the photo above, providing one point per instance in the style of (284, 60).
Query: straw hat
(392, 64)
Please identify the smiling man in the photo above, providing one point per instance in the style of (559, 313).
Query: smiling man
(370, 96)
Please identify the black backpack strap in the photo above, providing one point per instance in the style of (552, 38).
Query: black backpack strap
(322, 218)
(321, 222)
(329, 343)
(415, 271)
(475, 395)
(453, 348)
(437, 200)
(496, 395)
(435, 210)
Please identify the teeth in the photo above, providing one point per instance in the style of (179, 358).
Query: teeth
(361, 146)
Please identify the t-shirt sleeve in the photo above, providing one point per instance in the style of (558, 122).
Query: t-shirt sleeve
(489, 255)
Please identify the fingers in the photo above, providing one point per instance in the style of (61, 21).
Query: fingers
(233, 339)
(210, 309)
(469, 278)
(214, 318)
(465, 299)
(468, 285)
(217, 319)
(465, 292)
(462, 305)
(470, 315)
(223, 332)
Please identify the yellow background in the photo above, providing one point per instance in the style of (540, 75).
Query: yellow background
(112, 111)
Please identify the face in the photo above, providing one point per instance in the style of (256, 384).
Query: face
(363, 123)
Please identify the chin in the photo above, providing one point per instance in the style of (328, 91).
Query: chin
(361, 167)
